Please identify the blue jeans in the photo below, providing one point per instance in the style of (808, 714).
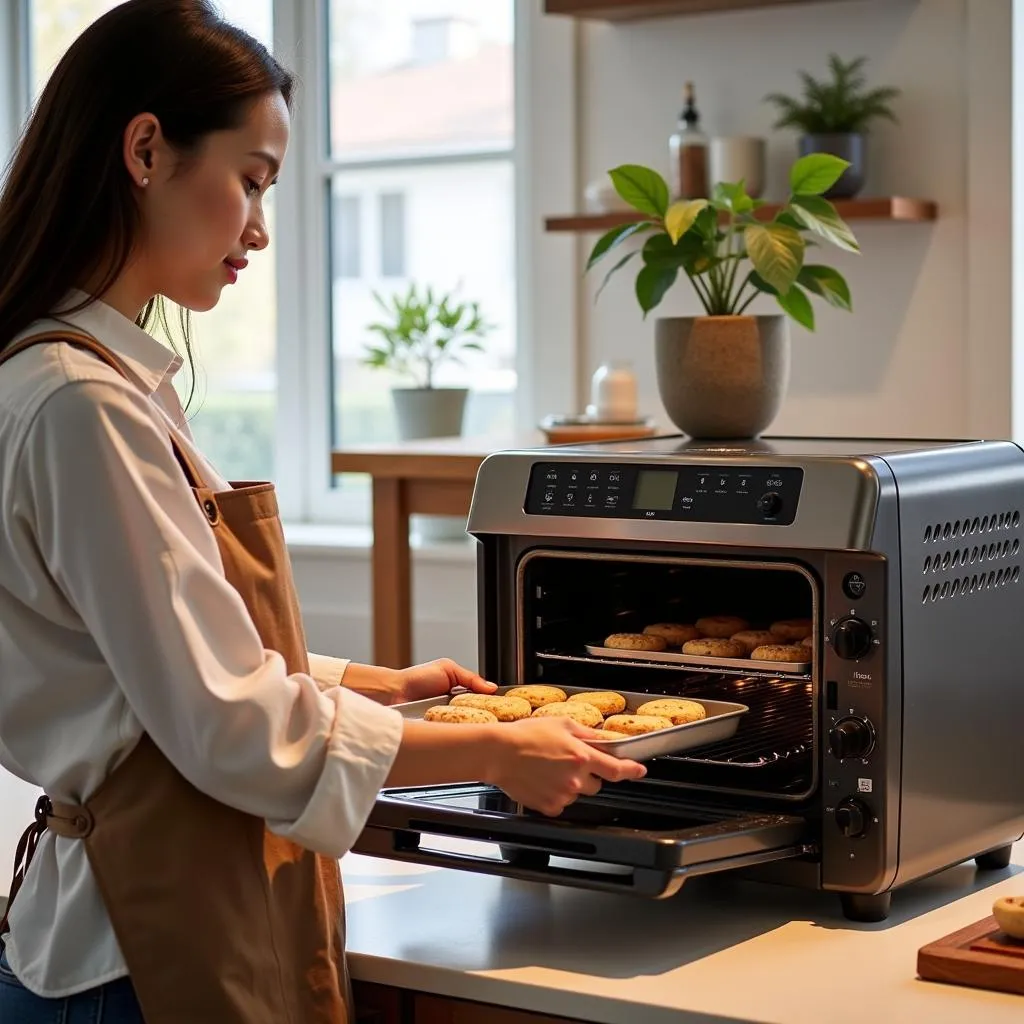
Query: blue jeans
(113, 1003)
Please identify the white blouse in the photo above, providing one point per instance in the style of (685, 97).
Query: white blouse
(116, 618)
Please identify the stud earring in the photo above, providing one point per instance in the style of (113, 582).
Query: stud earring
(144, 182)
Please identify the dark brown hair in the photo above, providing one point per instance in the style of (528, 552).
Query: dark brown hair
(67, 206)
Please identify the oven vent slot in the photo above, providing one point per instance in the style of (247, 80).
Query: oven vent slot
(970, 568)
(971, 527)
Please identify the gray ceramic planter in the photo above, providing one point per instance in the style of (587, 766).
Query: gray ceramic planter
(722, 376)
(850, 146)
(429, 412)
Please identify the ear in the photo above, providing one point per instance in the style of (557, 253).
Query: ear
(146, 153)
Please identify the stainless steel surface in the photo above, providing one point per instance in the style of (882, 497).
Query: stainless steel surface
(777, 668)
(720, 724)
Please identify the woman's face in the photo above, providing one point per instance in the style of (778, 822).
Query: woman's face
(202, 216)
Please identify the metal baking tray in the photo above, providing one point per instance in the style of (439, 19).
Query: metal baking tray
(778, 668)
(723, 719)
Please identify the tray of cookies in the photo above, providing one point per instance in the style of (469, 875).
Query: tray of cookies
(638, 726)
(717, 641)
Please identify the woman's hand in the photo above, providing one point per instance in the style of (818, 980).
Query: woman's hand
(436, 678)
(396, 686)
(545, 763)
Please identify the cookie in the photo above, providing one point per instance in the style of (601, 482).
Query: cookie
(608, 702)
(637, 725)
(808, 641)
(779, 652)
(751, 638)
(1009, 914)
(791, 630)
(609, 734)
(459, 715)
(679, 712)
(537, 694)
(635, 642)
(675, 634)
(506, 709)
(721, 627)
(715, 648)
(585, 714)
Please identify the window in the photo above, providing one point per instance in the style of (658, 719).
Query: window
(348, 236)
(233, 414)
(392, 234)
(420, 126)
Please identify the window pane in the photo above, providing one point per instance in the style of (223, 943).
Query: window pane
(347, 233)
(392, 234)
(412, 76)
(422, 111)
(233, 412)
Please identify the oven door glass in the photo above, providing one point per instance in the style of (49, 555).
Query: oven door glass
(620, 840)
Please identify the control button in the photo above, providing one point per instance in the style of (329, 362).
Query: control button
(852, 817)
(552, 476)
(611, 501)
(851, 638)
(570, 498)
(769, 504)
(574, 476)
(851, 737)
(614, 476)
(854, 585)
(591, 501)
(549, 496)
(593, 476)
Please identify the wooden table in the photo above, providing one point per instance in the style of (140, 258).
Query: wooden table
(429, 477)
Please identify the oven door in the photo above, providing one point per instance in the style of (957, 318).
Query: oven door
(634, 839)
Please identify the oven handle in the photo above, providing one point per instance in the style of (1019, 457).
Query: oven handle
(655, 883)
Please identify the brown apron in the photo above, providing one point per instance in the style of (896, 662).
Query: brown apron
(219, 920)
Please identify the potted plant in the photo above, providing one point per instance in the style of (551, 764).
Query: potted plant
(724, 374)
(420, 333)
(833, 117)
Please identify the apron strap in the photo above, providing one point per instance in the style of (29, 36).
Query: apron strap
(86, 341)
(69, 820)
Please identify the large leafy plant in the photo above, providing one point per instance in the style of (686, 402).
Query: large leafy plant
(423, 331)
(839, 106)
(714, 242)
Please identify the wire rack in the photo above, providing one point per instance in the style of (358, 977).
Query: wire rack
(779, 726)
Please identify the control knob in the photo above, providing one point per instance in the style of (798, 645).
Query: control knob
(851, 638)
(769, 504)
(852, 817)
(851, 737)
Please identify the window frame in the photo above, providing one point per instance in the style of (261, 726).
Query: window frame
(304, 364)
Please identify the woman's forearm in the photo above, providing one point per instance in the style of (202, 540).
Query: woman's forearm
(435, 752)
(373, 681)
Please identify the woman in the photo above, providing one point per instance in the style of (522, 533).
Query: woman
(200, 784)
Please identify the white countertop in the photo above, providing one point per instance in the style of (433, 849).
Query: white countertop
(721, 950)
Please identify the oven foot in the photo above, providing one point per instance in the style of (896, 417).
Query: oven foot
(520, 858)
(995, 859)
(859, 907)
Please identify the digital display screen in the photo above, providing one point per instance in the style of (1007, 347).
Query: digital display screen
(655, 490)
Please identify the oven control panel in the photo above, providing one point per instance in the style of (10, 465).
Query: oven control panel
(695, 494)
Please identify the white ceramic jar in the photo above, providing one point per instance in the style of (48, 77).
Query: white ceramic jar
(613, 393)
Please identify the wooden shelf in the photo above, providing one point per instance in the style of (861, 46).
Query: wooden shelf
(635, 10)
(894, 208)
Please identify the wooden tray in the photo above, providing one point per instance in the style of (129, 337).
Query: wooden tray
(980, 955)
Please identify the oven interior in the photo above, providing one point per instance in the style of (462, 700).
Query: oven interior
(568, 600)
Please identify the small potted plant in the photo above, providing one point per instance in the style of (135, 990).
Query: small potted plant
(420, 333)
(833, 117)
(724, 374)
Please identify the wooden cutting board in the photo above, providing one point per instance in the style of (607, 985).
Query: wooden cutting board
(980, 955)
